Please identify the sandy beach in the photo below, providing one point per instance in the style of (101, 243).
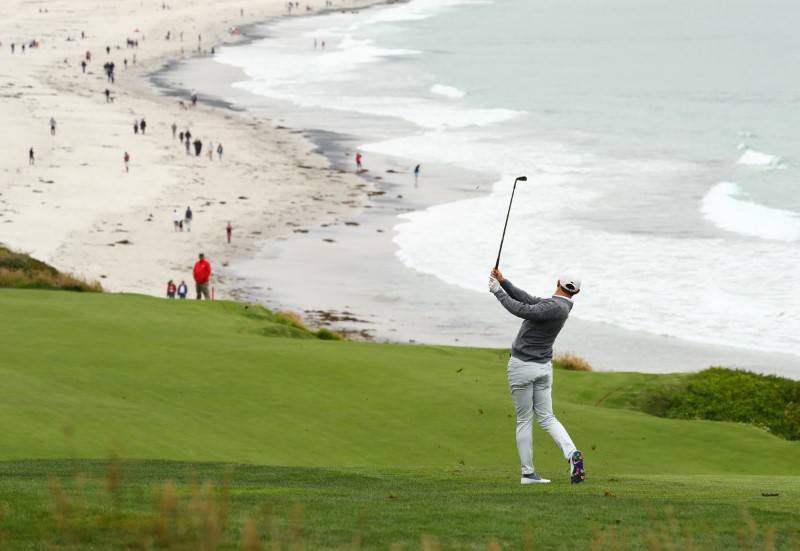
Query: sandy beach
(309, 234)
(75, 206)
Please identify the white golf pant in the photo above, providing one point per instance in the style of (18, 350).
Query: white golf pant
(531, 384)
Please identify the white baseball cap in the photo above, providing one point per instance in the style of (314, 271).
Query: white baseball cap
(570, 282)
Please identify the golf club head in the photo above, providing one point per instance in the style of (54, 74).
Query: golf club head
(522, 179)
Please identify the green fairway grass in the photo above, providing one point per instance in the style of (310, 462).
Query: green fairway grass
(91, 504)
(181, 387)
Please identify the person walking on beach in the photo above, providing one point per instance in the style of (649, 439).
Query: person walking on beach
(187, 219)
(530, 371)
(30, 156)
(83, 66)
(210, 150)
(126, 158)
(219, 151)
(358, 160)
(142, 125)
(52, 126)
(182, 290)
(174, 129)
(228, 232)
(198, 147)
(171, 289)
(176, 220)
(108, 95)
(135, 126)
(201, 273)
(416, 174)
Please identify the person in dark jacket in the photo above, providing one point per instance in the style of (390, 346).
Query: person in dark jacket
(530, 371)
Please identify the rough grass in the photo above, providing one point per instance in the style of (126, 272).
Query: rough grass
(165, 505)
(571, 362)
(20, 271)
(719, 394)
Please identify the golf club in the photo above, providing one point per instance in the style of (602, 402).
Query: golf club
(519, 179)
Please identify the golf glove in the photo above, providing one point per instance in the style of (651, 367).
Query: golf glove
(494, 285)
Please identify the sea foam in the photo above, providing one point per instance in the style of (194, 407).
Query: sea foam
(447, 91)
(416, 11)
(725, 206)
(756, 158)
(638, 282)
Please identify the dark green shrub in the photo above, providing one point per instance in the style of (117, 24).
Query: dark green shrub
(660, 400)
(719, 394)
(328, 335)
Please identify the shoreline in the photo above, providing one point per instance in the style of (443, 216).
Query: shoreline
(91, 218)
(78, 210)
(389, 302)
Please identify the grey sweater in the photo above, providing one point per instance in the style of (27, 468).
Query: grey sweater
(544, 318)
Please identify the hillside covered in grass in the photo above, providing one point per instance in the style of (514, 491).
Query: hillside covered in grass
(88, 375)
(143, 423)
(21, 271)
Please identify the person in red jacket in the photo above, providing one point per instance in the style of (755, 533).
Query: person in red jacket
(202, 270)
(171, 289)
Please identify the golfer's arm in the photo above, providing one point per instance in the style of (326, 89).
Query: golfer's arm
(538, 311)
(518, 294)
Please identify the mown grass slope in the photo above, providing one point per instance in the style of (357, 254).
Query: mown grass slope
(88, 375)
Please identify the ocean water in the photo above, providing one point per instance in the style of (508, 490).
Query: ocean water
(659, 140)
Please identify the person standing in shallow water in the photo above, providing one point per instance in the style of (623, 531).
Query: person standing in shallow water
(229, 231)
(30, 156)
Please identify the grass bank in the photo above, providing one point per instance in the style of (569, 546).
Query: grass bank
(346, 444)
(21, 271)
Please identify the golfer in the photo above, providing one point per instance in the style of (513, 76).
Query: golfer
(530, 372)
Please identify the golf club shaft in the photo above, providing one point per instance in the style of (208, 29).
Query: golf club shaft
(497, 264)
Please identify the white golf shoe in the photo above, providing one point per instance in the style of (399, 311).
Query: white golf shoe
(533, 478)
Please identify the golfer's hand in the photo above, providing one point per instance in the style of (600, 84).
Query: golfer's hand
(494, 285)
(498, 275)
